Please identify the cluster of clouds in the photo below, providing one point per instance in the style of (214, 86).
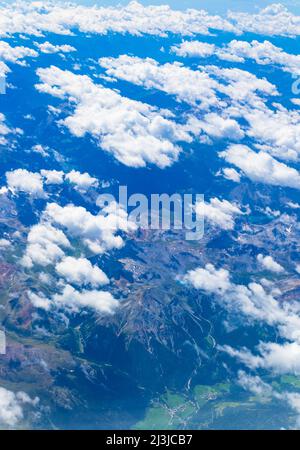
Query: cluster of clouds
(263, 53)
(260, 167)
(37, 18)
(257, 304)
(134, 132)
(14, 55)
(195, 87)
(12, 406)
(51, 245)
(274, 20)
(236, 104)
(192, 87)
(235, 100)
(4, 129)
(22, 180)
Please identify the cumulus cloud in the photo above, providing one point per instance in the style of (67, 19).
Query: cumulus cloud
(44, 244)
(242, 88)
(82, 181)
(216, 126)
(277, 131)
(253, 301)
(274, 20)
(15, 54)
(53, 176)
(191, 86)
(47, 47)
(279, 358)
(21, 180)
(264, 53)
(73, 300)
(205, 87)
(261, 167)
(209, 279)
(253, 384)
(220, 213)
(257, 306)
(96, 231)
(81, 272)
(134, 132)
(11, 406)
(38, 18)
(194, 49)
(231, 174)
(269, 263)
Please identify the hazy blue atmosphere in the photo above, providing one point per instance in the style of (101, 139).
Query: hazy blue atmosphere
(109, 317)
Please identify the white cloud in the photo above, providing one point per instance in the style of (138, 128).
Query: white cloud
(191, 86)
(196, 87)
(40, 150)
(264, 53)
(96, 231)
(269, 263)
(253, 384)
(73, 300)
(274, 20)
(280, 132)
(47, 47)
(194, 49)
(256, 306)
(241, 87)
(253, 301)
(261, 167)
(4, 129)
(216, 126)
(134, 132)
(44, 244)
(53, 176)
(4, 242)
(209, 279)
(11, 406)
(218, 212)
(231, 174)
(82, 181)
(21, 180)
(48, 245)
(81, 272)
(37, 18)
(15, 54)
(279, 358)
(257, 386)
(101, 301)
